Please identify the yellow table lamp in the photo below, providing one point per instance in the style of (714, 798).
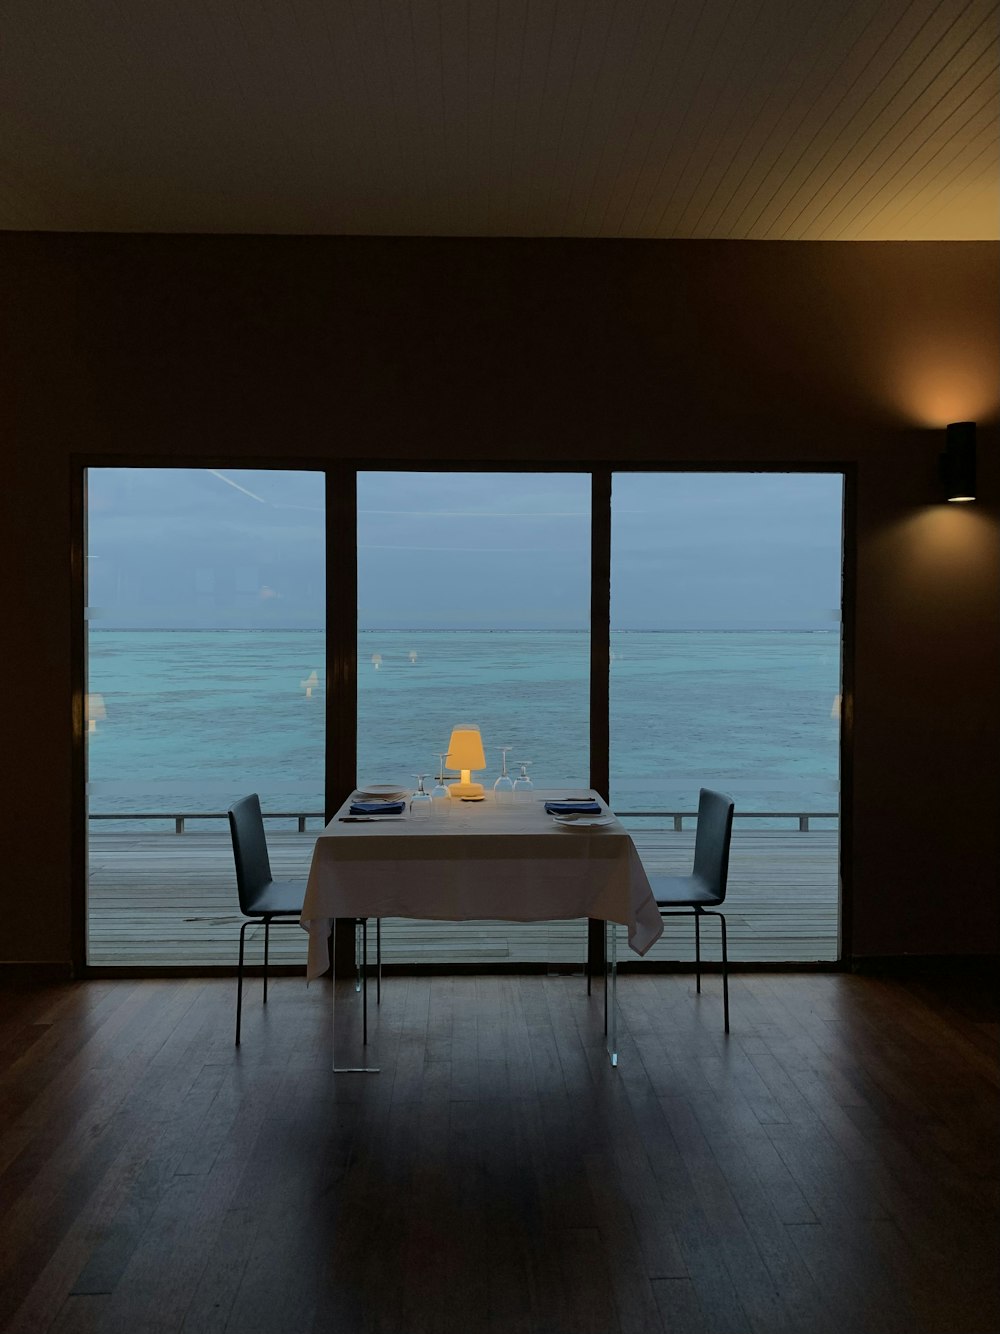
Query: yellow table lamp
(465, 753)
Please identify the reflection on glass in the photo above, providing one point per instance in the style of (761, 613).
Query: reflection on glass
(96, 711)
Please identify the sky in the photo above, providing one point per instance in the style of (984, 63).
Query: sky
(237, 548)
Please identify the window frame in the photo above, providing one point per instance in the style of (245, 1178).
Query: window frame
(341, 638)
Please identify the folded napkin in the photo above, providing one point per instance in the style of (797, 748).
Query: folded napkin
(377, 807)
(573, 807)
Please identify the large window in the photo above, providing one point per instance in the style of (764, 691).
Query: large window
(474, 606)
(725, 673)
(206, 681)
(207, 626)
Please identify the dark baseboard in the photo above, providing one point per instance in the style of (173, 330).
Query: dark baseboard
(24, 973)
(927, 965)
(466, 969)
(638, 967)
(179, 972)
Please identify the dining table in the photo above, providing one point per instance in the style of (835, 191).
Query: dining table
(486, 859)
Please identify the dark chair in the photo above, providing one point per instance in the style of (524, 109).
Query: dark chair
(701, 892)
(264, 899)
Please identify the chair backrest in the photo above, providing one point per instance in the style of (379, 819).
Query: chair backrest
(253, 866)
(712, 839)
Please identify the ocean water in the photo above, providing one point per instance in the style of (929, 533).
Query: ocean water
(197, 718)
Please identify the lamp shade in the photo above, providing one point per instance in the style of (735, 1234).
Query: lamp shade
(465, 749)
(96, 709)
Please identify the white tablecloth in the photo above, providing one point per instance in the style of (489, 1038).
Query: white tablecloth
(477, 861)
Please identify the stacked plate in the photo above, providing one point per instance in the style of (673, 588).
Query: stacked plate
(580, 821)
(382, 792)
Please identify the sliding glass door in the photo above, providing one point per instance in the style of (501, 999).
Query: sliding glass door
(474, 607)
(206, 680)
(725, 673)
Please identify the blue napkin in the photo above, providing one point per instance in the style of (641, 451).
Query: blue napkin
(573, 807)
(377, 807)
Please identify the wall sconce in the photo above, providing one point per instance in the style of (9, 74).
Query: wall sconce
(958, 462)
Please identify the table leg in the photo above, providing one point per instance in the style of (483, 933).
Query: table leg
(611, 979)
(341, 1069)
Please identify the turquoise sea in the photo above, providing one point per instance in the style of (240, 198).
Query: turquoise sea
(197, 718)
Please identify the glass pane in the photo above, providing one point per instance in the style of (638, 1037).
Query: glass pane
(725, 673)
(206, 681)
(474, 607)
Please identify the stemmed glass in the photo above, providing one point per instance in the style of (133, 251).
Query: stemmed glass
(440, 796)
(503, 788)
(421, 802)
(523, 786)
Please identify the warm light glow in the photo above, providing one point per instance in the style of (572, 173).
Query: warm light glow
(941, 376)
(941, 557)
(960, 500)
(465, 753)
(96, 711)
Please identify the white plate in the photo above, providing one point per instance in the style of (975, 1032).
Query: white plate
(382, 792)
(582, 821)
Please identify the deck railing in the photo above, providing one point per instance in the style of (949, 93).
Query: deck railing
(678, 817)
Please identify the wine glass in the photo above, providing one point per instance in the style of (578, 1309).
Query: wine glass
(440, 796)
(523, 786)
(421, 803)
(503, 788)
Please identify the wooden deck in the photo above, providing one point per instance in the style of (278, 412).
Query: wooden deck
(163, 899)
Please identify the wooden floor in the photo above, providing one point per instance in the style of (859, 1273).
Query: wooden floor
(166, 899)
(830, 1168)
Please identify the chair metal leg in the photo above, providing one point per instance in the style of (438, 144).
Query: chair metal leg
(378, 960)
(267, 943)
(357, 954)
(725, 971)
(239, 983)
(697, 951)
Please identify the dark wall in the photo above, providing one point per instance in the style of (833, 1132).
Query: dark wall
(303, 348)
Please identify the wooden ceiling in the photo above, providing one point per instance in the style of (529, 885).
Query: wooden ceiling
(770, 119)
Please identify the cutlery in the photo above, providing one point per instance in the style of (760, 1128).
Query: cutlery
(368, 819)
